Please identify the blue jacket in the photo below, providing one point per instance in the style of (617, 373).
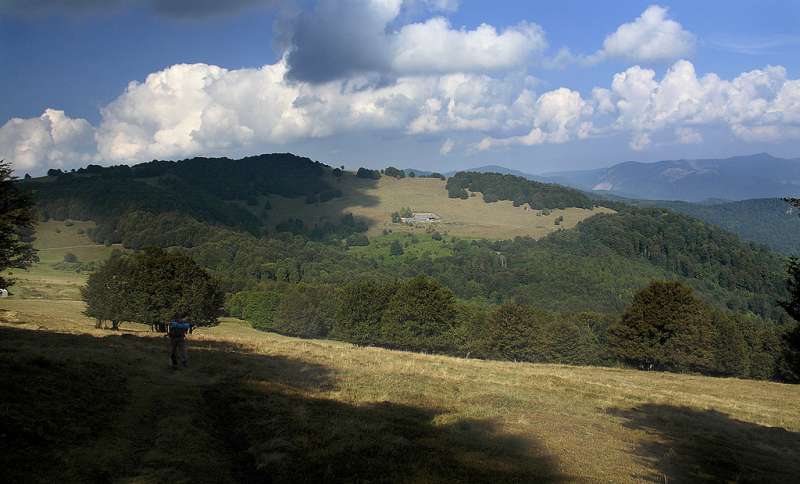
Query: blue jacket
(176, 329)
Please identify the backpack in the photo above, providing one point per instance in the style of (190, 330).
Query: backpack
(178, 330)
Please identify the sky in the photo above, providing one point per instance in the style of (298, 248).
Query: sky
(428, 84)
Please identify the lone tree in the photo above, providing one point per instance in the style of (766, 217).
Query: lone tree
(666, 328)
(16, 225)
(151, 287)
(106, 292)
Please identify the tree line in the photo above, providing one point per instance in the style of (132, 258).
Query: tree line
(666, 327)
(495, 186)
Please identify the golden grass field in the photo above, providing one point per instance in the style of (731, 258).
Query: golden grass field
(103, 406)
(493, 421)
(53, 240)
(375, 200)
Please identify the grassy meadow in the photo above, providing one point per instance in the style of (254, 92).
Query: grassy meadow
(259, 406)
(53, 240)
(87, 405)
(375, 200)
(104, 406)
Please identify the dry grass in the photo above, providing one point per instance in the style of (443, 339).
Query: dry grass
(376, 200)
(53, 240)
(449, 418)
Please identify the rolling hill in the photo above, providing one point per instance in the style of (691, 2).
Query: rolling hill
(736, 178)
(769, 221)
(572, 256)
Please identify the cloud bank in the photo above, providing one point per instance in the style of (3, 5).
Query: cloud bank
(422, 78)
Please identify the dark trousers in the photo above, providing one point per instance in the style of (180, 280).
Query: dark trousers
(177, 351)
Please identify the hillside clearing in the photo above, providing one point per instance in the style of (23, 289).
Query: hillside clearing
(258, 404)
(375, 200)
(54, 239)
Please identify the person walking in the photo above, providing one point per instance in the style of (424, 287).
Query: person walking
(177, 329)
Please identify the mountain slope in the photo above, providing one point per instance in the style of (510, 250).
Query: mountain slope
(737, 178)
(768, 221)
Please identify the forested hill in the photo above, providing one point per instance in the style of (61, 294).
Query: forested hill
(596, 266)
(737, 274)
(495, 186)
(768, 221)
(202, 188)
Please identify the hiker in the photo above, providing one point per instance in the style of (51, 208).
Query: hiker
(176, 331)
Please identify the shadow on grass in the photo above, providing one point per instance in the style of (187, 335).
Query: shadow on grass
(690, 445)
(77, 408)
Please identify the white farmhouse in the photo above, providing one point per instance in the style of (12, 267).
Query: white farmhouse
(424, 217)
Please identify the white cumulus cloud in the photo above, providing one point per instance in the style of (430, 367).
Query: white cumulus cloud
(53, 139)
(363, 40)
(199, 109)
(434, 46)
(653, 36)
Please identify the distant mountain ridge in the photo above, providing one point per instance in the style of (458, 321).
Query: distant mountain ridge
(737, 178)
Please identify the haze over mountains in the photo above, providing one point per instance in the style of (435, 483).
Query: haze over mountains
(736, 178)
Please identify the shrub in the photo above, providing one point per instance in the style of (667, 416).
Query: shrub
(368, 174)
(395, 248)
(357, 240)
(70, 257)
(394, 172)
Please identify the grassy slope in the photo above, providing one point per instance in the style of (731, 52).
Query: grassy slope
(87, 405)
(53, 240)
(376, 200)
(257, 405)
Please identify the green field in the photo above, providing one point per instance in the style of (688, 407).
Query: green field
(415, 245)
(376, 200)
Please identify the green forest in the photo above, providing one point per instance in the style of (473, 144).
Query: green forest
(435, 292)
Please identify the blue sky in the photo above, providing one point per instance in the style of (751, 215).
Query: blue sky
(436, 84)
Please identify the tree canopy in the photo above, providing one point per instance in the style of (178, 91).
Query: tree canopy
(666, 327)
(16, 225)
(152, 287)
